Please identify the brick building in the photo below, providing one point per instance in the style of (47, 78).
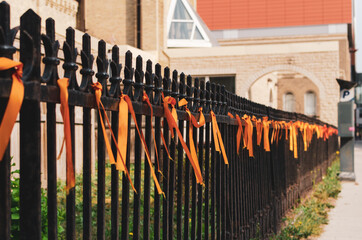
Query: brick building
(285, 54)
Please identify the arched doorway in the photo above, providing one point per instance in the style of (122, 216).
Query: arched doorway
(287, 90)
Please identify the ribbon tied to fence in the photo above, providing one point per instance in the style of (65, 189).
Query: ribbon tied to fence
(121, 164)
(63, 84)
(171, 121)
(193, 123)
(14, 103)
(219, 144)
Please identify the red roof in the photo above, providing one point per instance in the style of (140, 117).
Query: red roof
(241, 14)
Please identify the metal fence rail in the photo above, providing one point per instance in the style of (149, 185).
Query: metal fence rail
(247, 197)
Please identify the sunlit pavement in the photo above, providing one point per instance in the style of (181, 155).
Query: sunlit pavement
(345, 220)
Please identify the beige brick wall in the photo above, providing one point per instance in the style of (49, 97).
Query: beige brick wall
(107, 20)
(321, 67)
(63, 12)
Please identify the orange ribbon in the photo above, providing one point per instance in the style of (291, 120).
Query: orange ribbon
(63, 84)
(121, 165)
(293, 139)
(192, 123)
(219, 145)
(14, 103)
(171, 121)
(165, 146)
(266, 134)
(259, 129)
(248, 135)
(140, 133)
(147, 100)
(239, 133)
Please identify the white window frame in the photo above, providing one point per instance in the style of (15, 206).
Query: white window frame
(315, 103)
(186, 42)
(284, 102)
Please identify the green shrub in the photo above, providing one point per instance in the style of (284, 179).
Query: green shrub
(309, 216)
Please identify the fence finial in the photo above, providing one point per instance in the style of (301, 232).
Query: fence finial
(30, 45)
(7, 35)
(174, 87)
(202, 95)
(128, 75)
(196, 92)
(189, 91)
(70, 54)
(102, 66)
(138, 84)
(87, 64)
(51, 61)
(182, 87)
(158, 84)
(149, 77)
(115, 78)
(166, 81)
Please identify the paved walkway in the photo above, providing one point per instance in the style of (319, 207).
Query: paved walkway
(345, 220)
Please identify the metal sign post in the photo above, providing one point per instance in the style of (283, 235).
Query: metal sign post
(346, 129)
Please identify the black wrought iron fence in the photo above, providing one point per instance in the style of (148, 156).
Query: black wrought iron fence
(237, 201)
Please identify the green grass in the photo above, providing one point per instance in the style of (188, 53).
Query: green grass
(61, 200)
(308, 218)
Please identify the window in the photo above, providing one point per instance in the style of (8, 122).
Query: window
(310, 104)
(289, 102)
(184, 27)
(227, 81)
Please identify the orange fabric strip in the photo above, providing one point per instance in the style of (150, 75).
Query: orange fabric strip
(266, 134)
(140, 133)
(259, 129)
(166, 149)
(248, 136)
(122, 134)
(147, 100)
(219, 145)
(172, 125)
(61, 149)
(239, 133)
(63, 84)
(230, 115)
(98, 93)
(14, 103)
(290, 136)
(295, 147)
(193, 122)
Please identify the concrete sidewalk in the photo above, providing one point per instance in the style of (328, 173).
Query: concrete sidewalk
(345, 220)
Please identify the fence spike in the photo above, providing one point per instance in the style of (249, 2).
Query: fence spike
(51, 61)
(30, 45)
(138, 84)
(166, 81)
(128, 75)
(149, 77)
(196, 92)
(87, 64)
(202, 95)
(7, 35)
(102, 67)
(174, 85)
(213, 104)
(189, 91)
(158, 85)
(70, 57)
(115, 78)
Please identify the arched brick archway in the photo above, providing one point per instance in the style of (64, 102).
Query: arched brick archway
(254, 77)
